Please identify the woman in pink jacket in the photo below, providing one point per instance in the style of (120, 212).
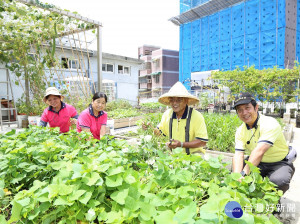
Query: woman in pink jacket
(94, 118)
(58, 114)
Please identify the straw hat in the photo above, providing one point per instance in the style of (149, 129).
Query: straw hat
(52, 91)
(178, 90)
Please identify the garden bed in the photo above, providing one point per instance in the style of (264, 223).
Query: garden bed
(126, 122)
(51, 178)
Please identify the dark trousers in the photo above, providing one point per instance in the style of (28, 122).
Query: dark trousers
(280, 173)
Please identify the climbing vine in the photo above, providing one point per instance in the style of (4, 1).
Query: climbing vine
(28, 36)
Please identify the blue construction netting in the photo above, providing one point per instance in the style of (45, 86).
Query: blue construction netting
(298, 32)
(246, 34)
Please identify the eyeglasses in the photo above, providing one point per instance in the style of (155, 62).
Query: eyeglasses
(176, 100)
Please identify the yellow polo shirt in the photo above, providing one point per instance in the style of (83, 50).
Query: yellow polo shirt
(197, 127)
(268, 131)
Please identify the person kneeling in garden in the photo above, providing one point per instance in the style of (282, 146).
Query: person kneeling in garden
(262, 137)
(184, 126)
(94, 118)
(58, 114)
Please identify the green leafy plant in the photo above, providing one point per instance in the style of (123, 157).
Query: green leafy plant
(51, 178)
(123, 113)
(221, 131)
(28, 43)
(153, 106)
(220, 128)
(118, 104)
(268, 85)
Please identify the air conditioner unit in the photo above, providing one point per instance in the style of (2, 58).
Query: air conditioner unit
(149, 80)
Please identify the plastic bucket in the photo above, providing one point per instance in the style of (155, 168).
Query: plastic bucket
(32, 120)
(111, 124)
(19, 119)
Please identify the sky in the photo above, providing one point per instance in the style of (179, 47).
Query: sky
(129, 24)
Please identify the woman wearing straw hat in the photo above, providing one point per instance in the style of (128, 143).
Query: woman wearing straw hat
(184, 126)
(58, 114)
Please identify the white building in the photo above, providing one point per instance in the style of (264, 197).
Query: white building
(82, 65)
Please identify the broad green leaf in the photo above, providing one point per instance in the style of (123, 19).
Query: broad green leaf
(76, 194)
(15, 212)
(184, 175)
(44, 206)
(114, 217)
(235, 176)
(37, 185)
(77, 169)
(91, 178)
(90, 215)
(177, 150)
(252, 187)
(104, 167)
(24, 202)
(58, 165)
(115, 170)
(44, 197)
(248, 179)
(94, 203)
(147, 211)
(165, 217)
(102, 216)
(53, 190)
(2, 219)
(64, 189)
(62, 200)
(120, 196)
(114, 181)
(214, 162)
(131, 203)
(130, 179)
(2, 184)
(186, 214)
(2, 193)
(85, 198)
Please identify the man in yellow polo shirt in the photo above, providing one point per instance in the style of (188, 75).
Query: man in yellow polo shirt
(184, 126)
(262, 138)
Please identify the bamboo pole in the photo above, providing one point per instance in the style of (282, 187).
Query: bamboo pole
(89, 61)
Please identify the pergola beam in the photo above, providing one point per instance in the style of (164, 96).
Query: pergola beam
(62, 12)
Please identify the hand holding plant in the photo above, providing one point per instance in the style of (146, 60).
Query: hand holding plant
(173, 144)
(146, 125)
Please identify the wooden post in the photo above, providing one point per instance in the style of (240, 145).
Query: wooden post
(27, 99)
(99, 58)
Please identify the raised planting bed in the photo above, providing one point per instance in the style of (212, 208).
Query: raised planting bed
(126, 122)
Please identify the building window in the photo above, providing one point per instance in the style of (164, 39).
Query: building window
(64, 63)
(126, 70)
(74, 64)
(120, 69)
(157, 79)
(108, 67)
(68, 63)
(156, 64)
(123, 69)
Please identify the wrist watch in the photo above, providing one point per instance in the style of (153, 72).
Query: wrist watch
(181, 144)
(243, 173)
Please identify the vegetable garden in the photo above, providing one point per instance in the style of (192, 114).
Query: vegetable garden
(51, 178)
(47, 177)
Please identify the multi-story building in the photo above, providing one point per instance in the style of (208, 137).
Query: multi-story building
(221, 35)
(159, 72)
